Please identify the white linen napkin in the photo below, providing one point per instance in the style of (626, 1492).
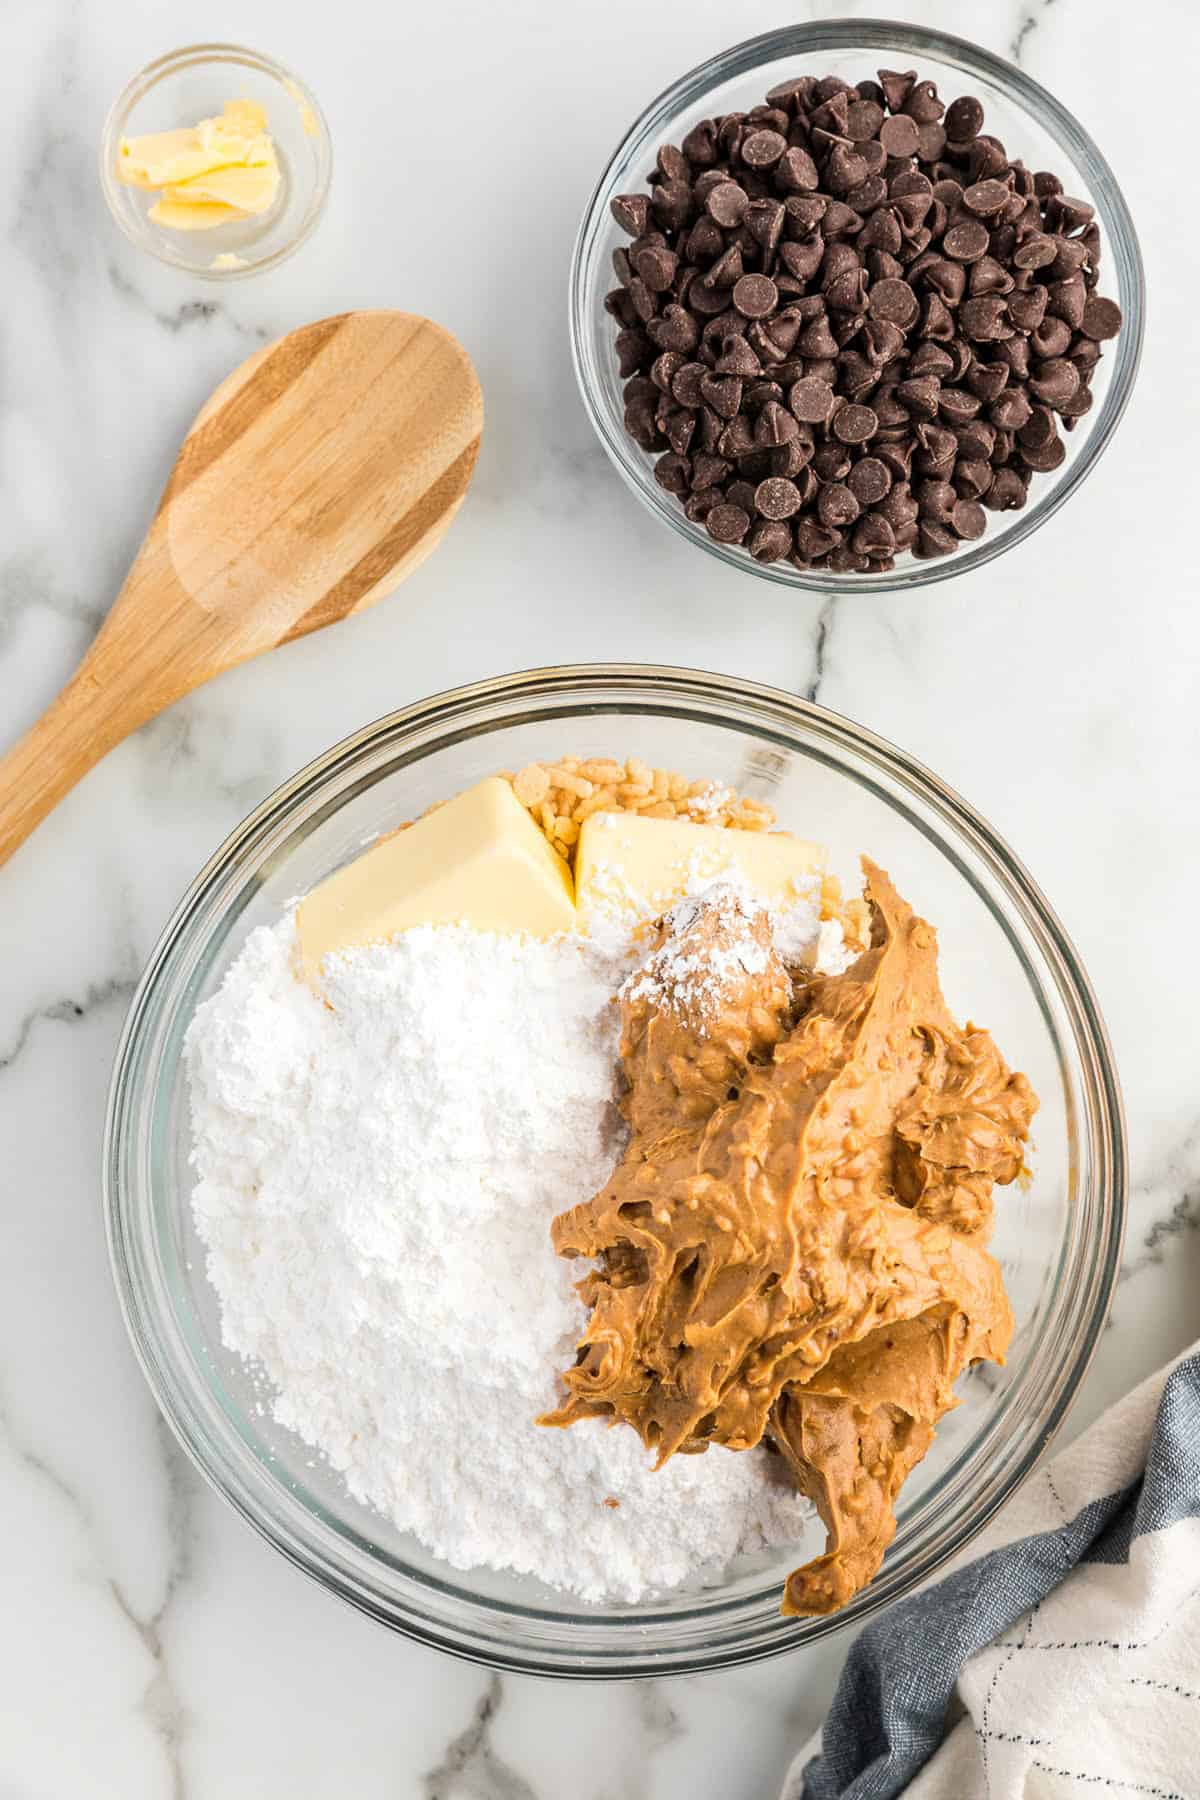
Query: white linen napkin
(1061, 1658)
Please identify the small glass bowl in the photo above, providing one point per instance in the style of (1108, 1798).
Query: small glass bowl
(1005, 959)
(193, 84)
(1031, 123)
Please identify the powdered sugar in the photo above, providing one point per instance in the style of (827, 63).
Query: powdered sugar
(375, 1183)
(692, 971)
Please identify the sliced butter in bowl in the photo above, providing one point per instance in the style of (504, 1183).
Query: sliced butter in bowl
(626, 863)
(478, 860)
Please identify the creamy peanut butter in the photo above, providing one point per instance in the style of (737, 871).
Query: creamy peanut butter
(793, 1247)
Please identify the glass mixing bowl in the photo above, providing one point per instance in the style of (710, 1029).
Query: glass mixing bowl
(1029, 121)
(1005, 961)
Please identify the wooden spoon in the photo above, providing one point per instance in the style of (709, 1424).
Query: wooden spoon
(320, 473)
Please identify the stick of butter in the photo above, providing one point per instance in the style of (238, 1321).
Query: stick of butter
(627, 864)
(478, 860)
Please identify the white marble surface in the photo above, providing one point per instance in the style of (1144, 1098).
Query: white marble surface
(150, 1645)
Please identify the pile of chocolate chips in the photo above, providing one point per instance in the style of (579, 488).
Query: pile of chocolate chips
(849, 324)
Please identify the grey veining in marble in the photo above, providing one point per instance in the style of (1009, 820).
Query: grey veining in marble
(153, 1648)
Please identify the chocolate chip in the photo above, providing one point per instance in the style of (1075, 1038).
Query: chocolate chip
(986, 198)
(869, 480)
(1101, 318)
(931, 140)
(723, 393)
(984, 319)
(987, 277)
(873, 537)
(899, 136)
(923, 104)
(863, 119)
(964, 119)
(934, 540)
(671, 206)
(796, 172)
(854, 424)
(792, 93)
(708, 470)
(987, 379)
(936, 453)
(700, 144)
(1012, 410)
(727, 524)
(1027, 308)
(836, 505)
(726, 204)
(936, 500)
(967, 241)
(817, 340)
(685, 383)
(755, 296)
(971, 479)
(897, 85)
(814, 541)
(840, 219)
(774, 426)
(763, 149)
(1052, 338)
(1038, 429)
(831, 461)
(777, 498)
(737, 358)
(673, 473)
(919, 397)
(1045, 457)
(764, 221)
(675, 330)
(631, 347)
(770, 541)
(968, 519)
(1007, 492)
(657, 267)
(1055, 382)
(1070, 258)
(957, 406)
(811, 400)
(894, 302)
(632, 212)
(1067, 300)
(1065, 214)
(900, 509)
(977, 441)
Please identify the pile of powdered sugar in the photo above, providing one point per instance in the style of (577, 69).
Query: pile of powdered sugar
(375, 1182)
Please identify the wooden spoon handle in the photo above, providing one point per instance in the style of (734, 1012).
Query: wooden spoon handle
(74, 732)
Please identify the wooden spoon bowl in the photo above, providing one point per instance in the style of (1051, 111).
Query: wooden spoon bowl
(319, 474)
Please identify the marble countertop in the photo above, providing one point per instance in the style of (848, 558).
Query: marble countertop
(152, 1647)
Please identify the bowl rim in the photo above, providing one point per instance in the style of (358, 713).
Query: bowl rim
(741, 59)
(759, 1637)
(159, 69)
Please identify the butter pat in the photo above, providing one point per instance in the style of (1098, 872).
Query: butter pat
(209, 174)
(479, 860)
(192, 216)
(251, 189)
(627, 864)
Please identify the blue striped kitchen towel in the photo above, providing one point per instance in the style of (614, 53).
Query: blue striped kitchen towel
(1061, 1662)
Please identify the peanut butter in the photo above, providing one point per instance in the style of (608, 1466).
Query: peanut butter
(793, 1248)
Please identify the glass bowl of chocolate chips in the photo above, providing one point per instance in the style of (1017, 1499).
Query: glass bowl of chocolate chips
(856, 304)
